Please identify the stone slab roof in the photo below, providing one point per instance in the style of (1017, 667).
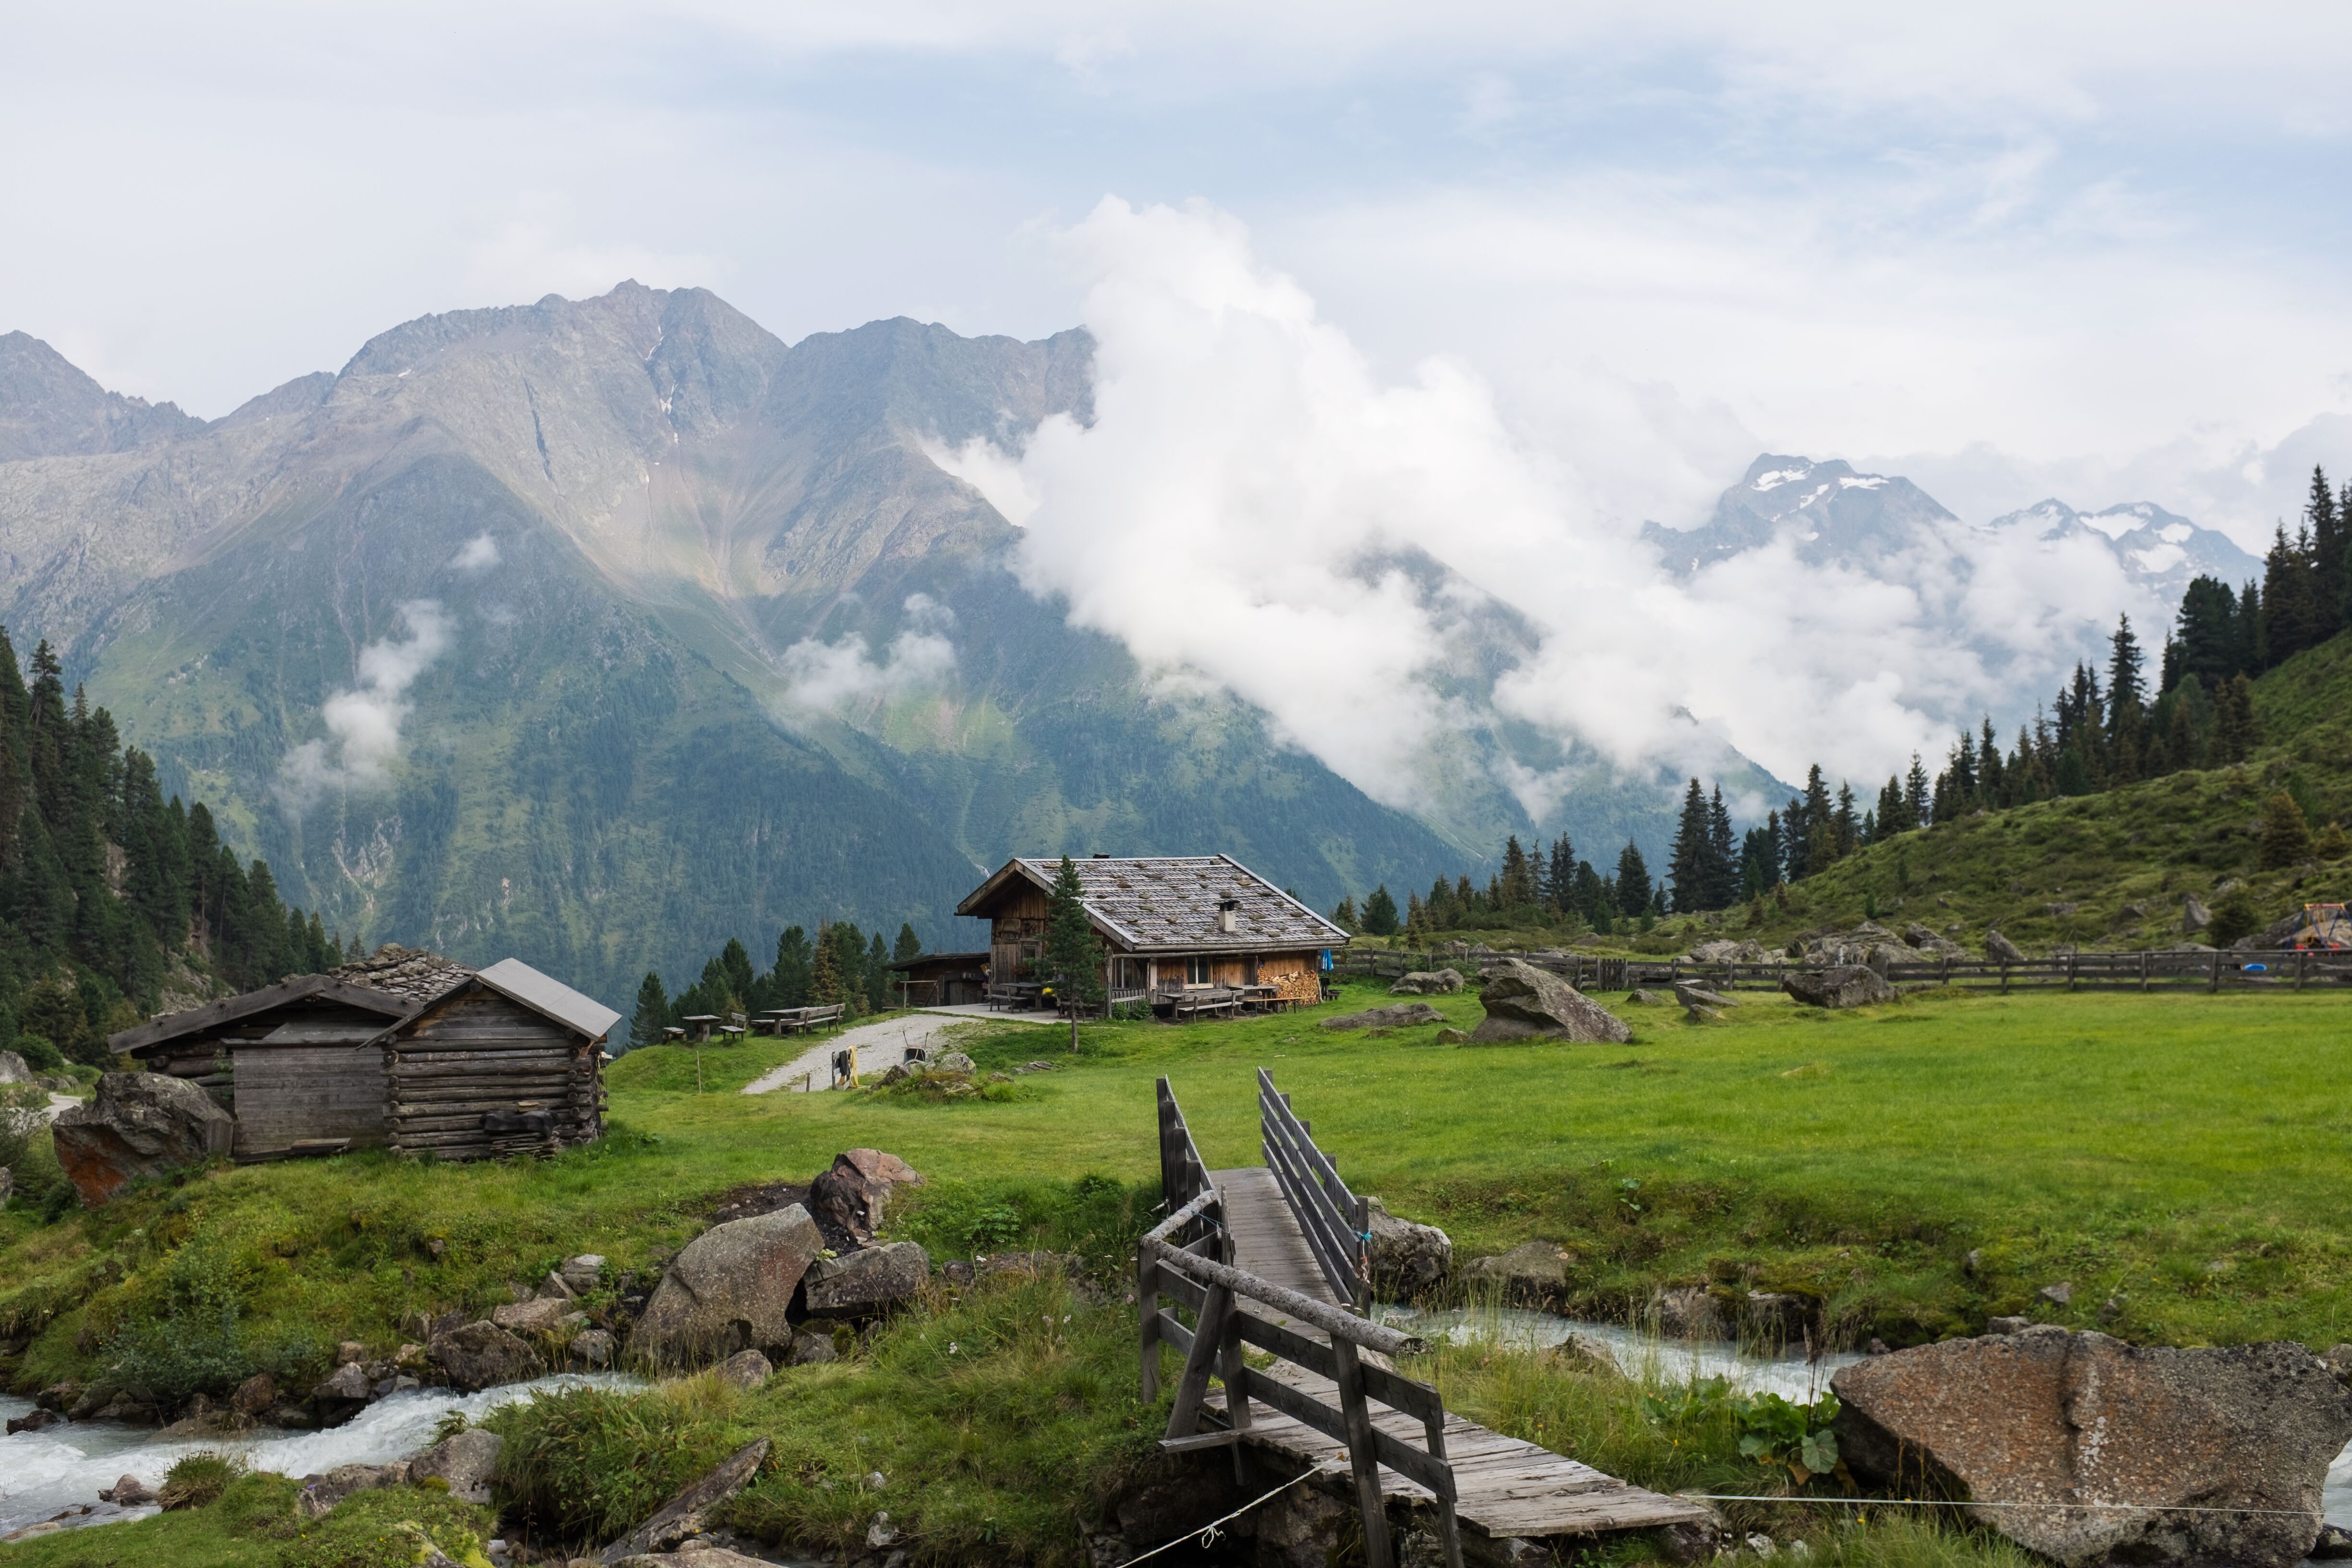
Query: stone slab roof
(410, 972)
(1170, 903)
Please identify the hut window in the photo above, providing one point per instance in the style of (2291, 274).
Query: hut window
(1199, 971)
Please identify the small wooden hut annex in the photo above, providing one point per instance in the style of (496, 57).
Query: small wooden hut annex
(507, 1062)
(1167, 922)
(941, 979)
(282, 1061)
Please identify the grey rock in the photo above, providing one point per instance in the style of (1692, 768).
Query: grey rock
(1847, 986)
(1536, 1270)
(1399, 1015)
(1523, 1002)
(591, 1348)
(683, 1515)
(482, 1355)
(1640, 998)
(319, 1494)
(2194, 916)
(2337, 1360)
(2047, 1415)
(138, 1124)
(539, 1315)
(555, 1287)
(1689, 1312)
(1426, 983)
(729, 1289)
(867, 1281)
(1927, 941)
(349, 1383)
(746, 1370)
(13, 1068)
(812, 1350)
(953, 1061)
(2010, 1325)
(254, 1394)
(1724, 950)
(2060, 1294)
(129, 1492)
(2334, 1545)
(848, 1198)
(464, 1460)
(1407, 1259)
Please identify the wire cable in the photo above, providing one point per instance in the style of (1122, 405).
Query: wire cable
(1207, 1534)
(1943, 1502)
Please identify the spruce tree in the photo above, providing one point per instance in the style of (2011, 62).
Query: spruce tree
(1517, 884)
(1073, 954)
(878, 974)
(1887, 820)
(1723, 865)
(1632, 881)
(2330, 568)
(2286, 834)
(908, 945)
(737, 963)
(1381, 911)
(652, 1016)
(1346, 918)
(2234, 737)
(1559, 881)
(795, 971)
(1914, 794)
(826, 981)
(1686, 865)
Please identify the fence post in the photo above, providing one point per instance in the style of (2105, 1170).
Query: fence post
(2074, 962)
(2143, 969)
(1147, 1302)
(2302, 964)
(2214, 983)
(1360, 1457)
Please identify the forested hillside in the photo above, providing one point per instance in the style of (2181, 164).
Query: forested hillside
(113, 900)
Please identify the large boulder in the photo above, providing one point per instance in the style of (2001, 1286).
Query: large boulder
(539, 1315)
(13, 1068)
(464, 1461)
(870, 1280)
(482, 1355)
(2193, 1436)
(1398, 1015)
(1845, 985)
(848, 1198)
(2000, 950)
(1725, 951)
(1427, 982)
(730, 1291)
(1533, 1271)
(1407, 1259)
(140, 1124)
(1524, 1003)
(1924, 939)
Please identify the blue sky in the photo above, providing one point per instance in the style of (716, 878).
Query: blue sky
(2094, 250)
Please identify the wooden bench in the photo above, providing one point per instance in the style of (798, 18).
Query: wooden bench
(802, 1020)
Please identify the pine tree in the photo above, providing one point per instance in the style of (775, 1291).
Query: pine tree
(1516, 885)
(737, 962)
(2290, 598)
(1845, 832)
(1073, 954)
(1686, 865)
(793, 982)
(1381, 911)
(2331, 556)
(2181, 736)
(2208, 642)
(825, 983)
(1346, 918)
(1559, 882)
(1632, 881)
(2234, 736)
(1914, 794)
(1723, 868)
(652, 1016)
(2286, 834)
(878, 974)
(908, 945)
(1887, 820)
(1594, 896)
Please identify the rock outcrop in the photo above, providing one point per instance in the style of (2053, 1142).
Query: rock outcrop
(746, 1370)
(2000, 950)
(482, 1355)
(1407, 1259)
(862, 1283)
(1532, 1271)
(463, 1461)
(1428, 983)
(13, 1068)
(2049, 1416)
(1725, 951)
(730, 1291)
(1923, 939)
(847, 1199)
(684, 1514)
(1399, 1015)
(1524, 1003)
(1846, 986)
(140, 1124)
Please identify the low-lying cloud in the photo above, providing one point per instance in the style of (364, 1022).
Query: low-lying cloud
(480, 554)
(364, 721)
(1253, 504)
(821, 675)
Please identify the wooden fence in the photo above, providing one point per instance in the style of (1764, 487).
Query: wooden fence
(1174, 1273)
(1183, 1175)
(2151, 969)
(1338, 1224)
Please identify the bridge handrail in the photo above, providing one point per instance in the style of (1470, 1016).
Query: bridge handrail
(1184, 1174)
(1333, 1320)
(1334, 1219)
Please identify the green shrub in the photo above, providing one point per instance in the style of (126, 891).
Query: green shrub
(590, 1464)
(39, 1053)
(2237, 915)
(198, 1479)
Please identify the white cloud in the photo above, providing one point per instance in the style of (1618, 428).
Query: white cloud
(364, 721)
(1245, 505)
(990, 469)
(822, 676)
(480, 554)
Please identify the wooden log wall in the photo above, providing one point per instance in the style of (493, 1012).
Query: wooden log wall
(301, 1094)
(480, 1077)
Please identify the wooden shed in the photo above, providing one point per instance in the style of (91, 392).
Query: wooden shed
(943, 979)
(292, 1062)
(508, 1062)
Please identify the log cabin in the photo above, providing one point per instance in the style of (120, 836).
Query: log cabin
(1168, 924)
(293, 1062)
(941, 980)
(507, 1062)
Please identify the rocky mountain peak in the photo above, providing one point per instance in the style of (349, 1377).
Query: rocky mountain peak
(50, 408)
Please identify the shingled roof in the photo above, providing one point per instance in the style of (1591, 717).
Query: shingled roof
(1161, 903)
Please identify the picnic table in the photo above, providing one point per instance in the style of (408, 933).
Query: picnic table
(1015, 995)
(701, 1023)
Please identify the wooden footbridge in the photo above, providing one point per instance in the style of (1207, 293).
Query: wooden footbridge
(1275, 1257)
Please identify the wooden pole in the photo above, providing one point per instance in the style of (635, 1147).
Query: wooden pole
(1361, 1456)
(1147, 1303)
(2214, 983)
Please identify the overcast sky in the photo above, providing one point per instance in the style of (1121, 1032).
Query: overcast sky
(2005, 248)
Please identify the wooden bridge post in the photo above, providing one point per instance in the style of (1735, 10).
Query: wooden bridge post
(1361, 1456)
(1208, 1339)
(1147, 1305)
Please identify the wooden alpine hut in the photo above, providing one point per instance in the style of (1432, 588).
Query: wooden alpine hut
(507, 1061)
(1174, 926)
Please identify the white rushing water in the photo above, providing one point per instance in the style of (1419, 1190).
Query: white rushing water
(1675, 1361)
(42, 1473)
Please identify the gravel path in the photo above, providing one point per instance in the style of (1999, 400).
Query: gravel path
(879, 1047)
